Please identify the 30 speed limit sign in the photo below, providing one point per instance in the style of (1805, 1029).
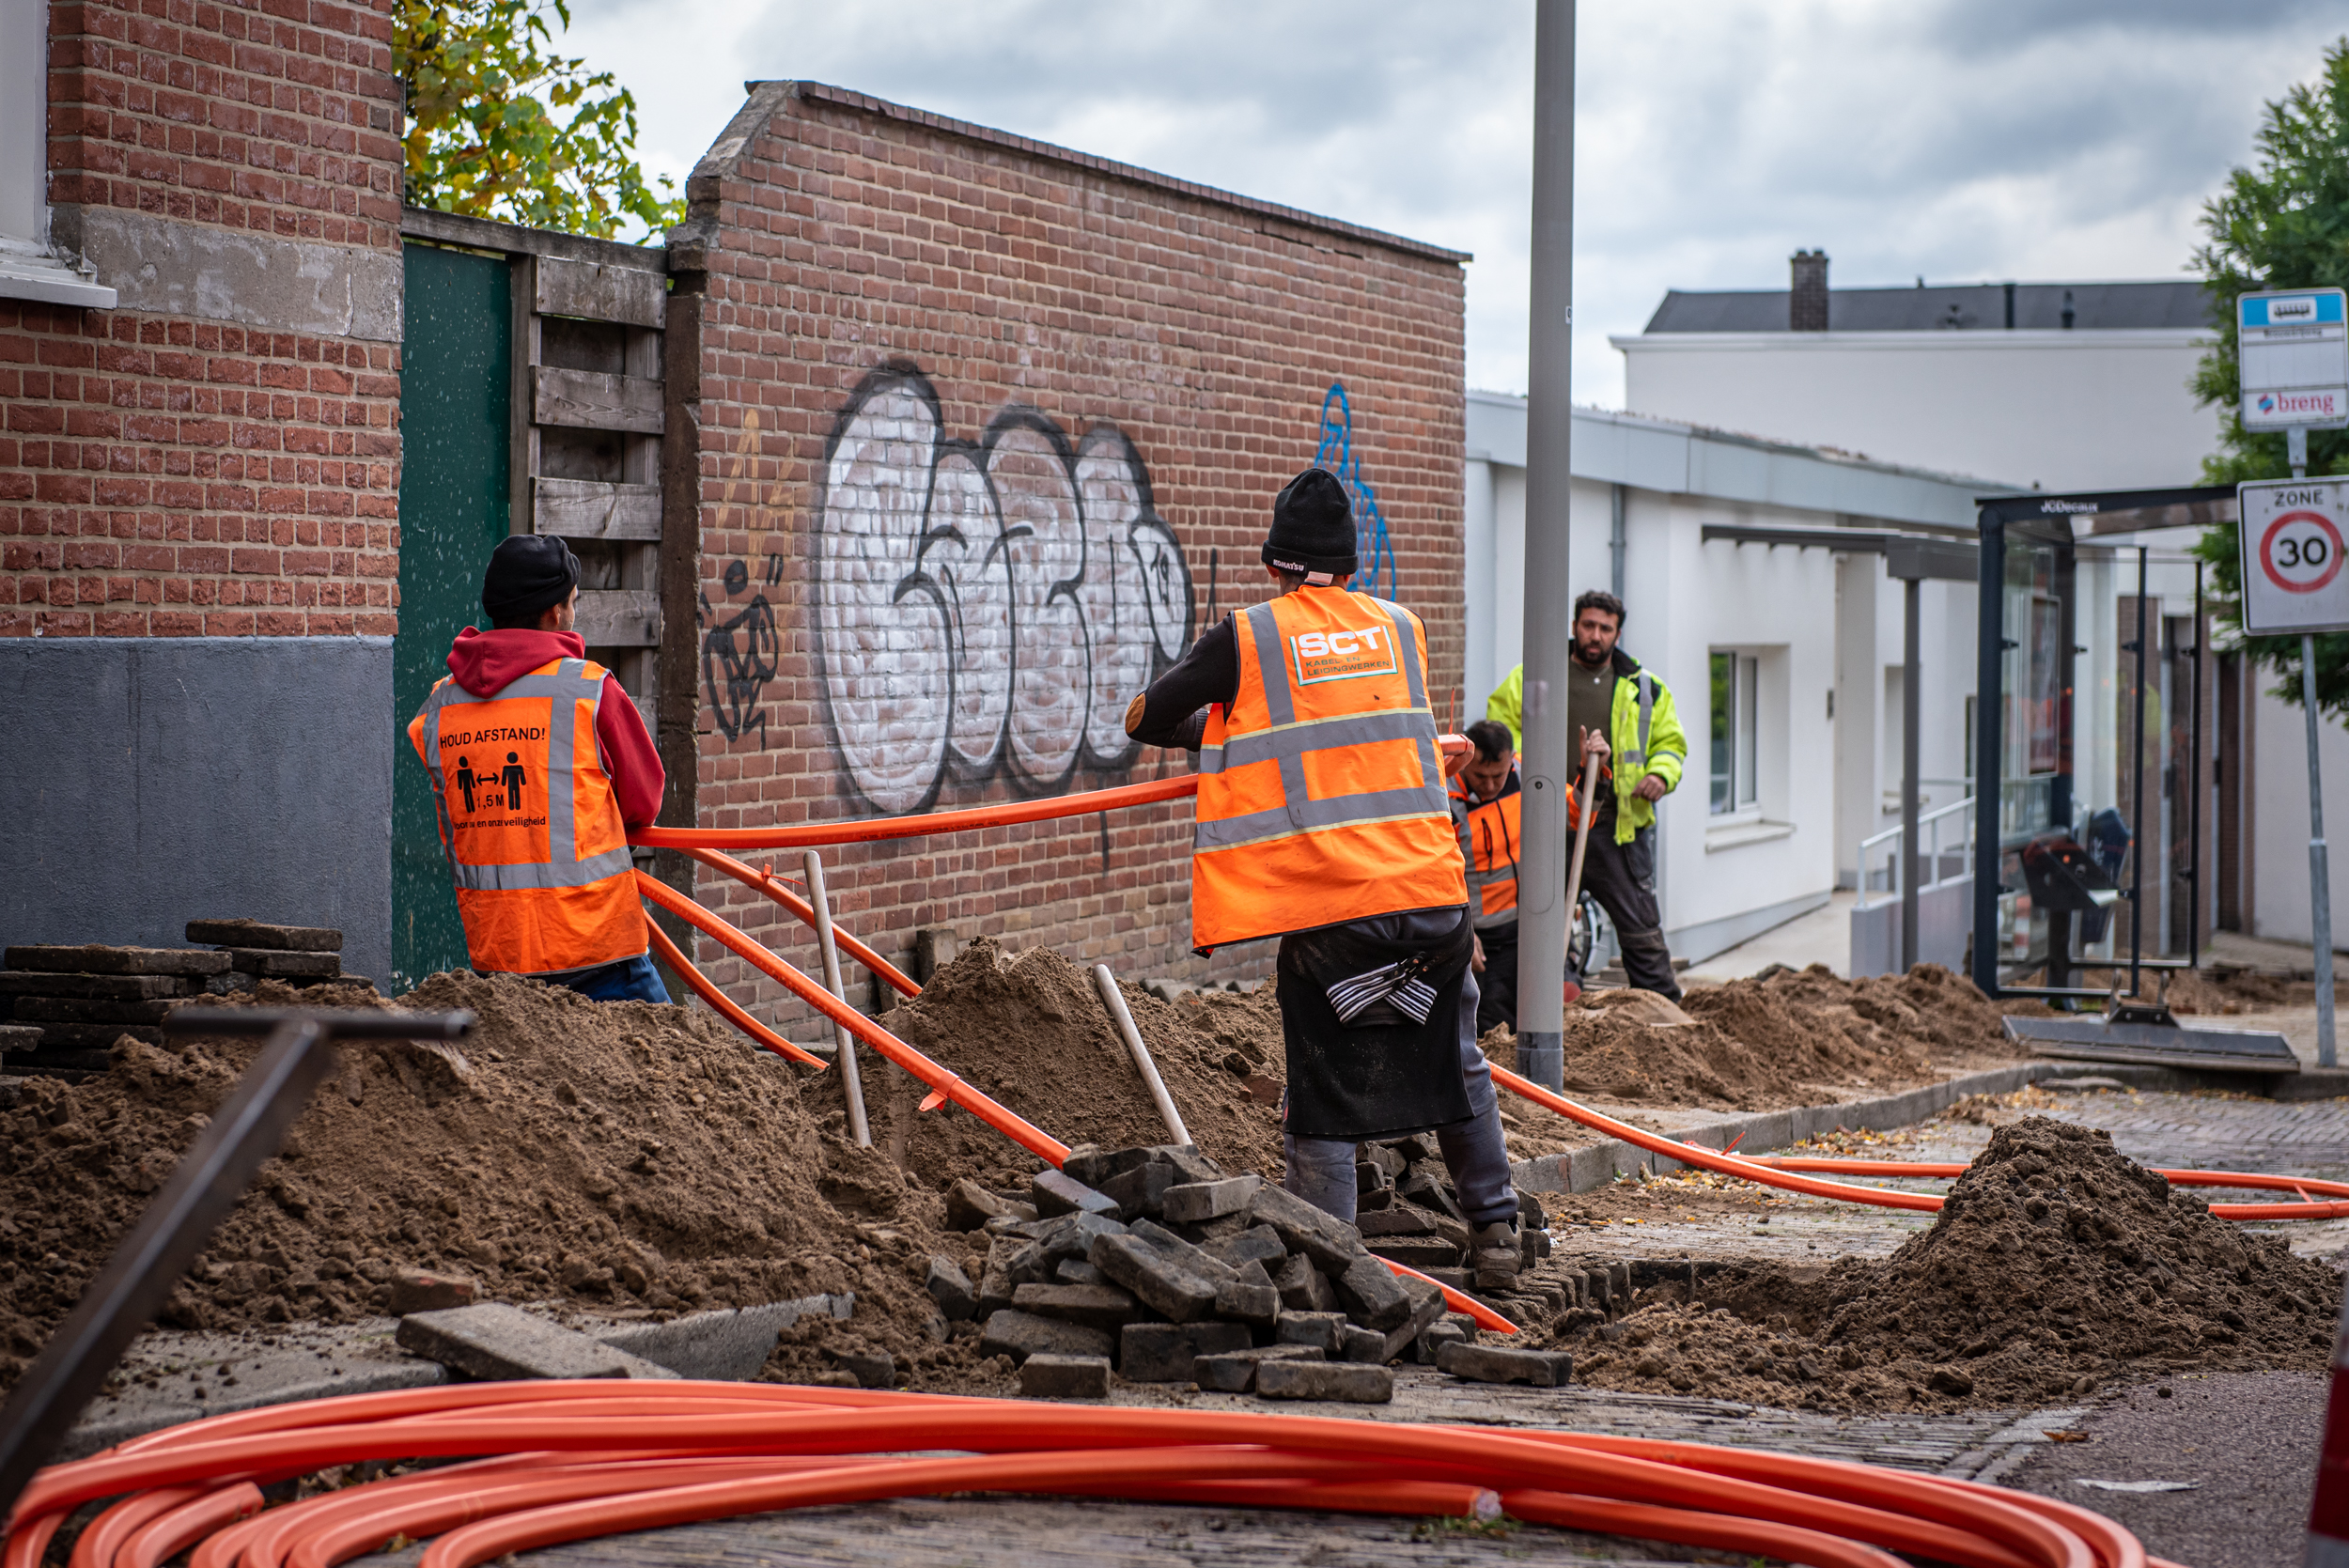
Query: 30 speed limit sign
(2293, 533)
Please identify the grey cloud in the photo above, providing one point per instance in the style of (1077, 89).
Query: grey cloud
(1958, 139)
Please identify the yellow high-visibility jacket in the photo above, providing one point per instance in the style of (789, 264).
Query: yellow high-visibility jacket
(1646, 738)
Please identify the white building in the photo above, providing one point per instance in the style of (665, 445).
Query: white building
(1787, 603)
(2056, 386)
(2064, 387)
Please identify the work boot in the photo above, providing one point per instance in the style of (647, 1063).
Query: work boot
(1497, 1254)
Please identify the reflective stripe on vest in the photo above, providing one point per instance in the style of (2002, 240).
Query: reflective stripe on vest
(567, 685)
(1489, 835)
(514, 830)
(1321, 796)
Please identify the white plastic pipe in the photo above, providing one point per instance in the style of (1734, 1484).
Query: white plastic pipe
(851, 1082)
(1115, 999)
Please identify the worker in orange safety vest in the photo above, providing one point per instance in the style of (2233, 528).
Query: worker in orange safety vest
(1485, 804)
(1321, 820)
(540, 765)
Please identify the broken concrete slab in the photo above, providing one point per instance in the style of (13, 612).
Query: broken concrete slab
(1021, 1335)
(1165, 1352)
(1054, 1194)
(97, 987)
(1158, 1278)
(1104, 1307)
(115, 960)
(271, 964)
(254, 933)
(1486, 1363)
(1345, 1382)
(492, 1339)
(730, 1344)
(1194, 1202)
(1064, 1377)
(1236, 1372)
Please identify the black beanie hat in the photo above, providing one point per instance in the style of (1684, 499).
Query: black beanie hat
(529, 575)
(1313, 526)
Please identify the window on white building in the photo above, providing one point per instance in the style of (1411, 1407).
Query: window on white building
(28, 268)
(1736, 725)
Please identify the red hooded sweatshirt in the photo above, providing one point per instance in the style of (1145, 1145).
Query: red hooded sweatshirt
(485, 663)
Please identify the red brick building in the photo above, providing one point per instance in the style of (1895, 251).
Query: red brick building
(986, 432)
(199, 344)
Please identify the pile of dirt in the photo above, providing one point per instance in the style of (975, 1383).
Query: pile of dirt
(2057, 1266)
(1783, 1038)
(1032, 1032)
(2216, 992)
(611, 1156)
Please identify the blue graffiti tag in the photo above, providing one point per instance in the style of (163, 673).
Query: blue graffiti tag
(1336, 454)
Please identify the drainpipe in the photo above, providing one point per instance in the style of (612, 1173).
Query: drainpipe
(1615, 539)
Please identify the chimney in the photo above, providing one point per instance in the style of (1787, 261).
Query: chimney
(1806, 304)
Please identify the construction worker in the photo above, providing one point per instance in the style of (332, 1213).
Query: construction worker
(1321, 820)
(540, 765)
(1484, 815)
(1608, 694)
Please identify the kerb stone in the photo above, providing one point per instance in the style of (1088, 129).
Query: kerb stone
(1064, 1377)
(1486, 1363)
(1347, 1382)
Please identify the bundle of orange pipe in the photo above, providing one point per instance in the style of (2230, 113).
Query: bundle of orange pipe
(563, 1461)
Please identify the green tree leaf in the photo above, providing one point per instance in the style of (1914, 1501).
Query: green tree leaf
(2282, 223)
(501, 127)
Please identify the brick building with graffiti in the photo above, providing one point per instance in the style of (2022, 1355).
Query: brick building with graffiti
(987, 431)
(919, 450)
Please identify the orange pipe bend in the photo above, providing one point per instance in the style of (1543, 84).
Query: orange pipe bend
(161, 1539)
(723, 1004)
(772, 886)
(1947, 1171)
(1043, 1146)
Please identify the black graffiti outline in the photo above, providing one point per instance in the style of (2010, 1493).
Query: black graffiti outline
(946, 590)
(748, 667)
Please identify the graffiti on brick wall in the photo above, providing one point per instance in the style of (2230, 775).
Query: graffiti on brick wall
(986, 607)
(741, 653)
(1335, 451)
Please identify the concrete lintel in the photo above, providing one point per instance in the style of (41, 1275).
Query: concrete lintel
(168, 268)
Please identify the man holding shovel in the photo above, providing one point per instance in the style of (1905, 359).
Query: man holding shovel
(1608, 694)
(1322, 821)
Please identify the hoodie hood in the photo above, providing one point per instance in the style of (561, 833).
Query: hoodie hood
(486, 662)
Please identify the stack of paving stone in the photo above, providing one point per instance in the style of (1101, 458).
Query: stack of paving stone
(1153, 1260)
(61, 1007)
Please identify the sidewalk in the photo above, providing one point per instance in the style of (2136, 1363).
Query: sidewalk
(1821, 937)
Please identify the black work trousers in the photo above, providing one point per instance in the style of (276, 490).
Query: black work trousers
(1622, 876)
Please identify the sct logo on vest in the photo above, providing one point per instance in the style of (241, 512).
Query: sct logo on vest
(1342, 654)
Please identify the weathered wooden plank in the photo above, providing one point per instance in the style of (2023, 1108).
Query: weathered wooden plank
(588, 509)
(601, 293)
(620, 617)
(591, 401)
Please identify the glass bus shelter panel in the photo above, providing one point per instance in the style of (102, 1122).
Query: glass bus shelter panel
(2071, 755)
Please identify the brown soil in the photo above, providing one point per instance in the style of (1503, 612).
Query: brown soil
(1032, 1032)
(604, 1155)
(2217, 992)
(2057, 1267)
(1792, 1037)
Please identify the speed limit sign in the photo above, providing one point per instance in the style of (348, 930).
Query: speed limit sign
(2293, 533)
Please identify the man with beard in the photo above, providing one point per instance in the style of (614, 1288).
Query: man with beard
(1608, 694)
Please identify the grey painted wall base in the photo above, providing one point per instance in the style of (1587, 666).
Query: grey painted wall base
(1710, 938)
(146, 782)
(1944, 919)
(1580, 1170)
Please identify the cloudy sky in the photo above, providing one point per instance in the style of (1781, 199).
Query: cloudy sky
(1961, 140)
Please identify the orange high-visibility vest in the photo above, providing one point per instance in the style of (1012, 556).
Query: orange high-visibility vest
(1490, 836)
(1321, 796)
(530, 824)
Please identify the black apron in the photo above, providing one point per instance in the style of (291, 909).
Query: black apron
(1382, 1074)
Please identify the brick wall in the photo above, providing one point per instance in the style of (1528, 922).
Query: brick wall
(219, 456)
(1096, 377)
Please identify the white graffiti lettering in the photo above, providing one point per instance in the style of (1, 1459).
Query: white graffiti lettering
(985, 606)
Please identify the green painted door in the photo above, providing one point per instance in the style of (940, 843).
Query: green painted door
(456, 372)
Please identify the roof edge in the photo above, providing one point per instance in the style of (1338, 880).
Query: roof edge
(725, 153)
